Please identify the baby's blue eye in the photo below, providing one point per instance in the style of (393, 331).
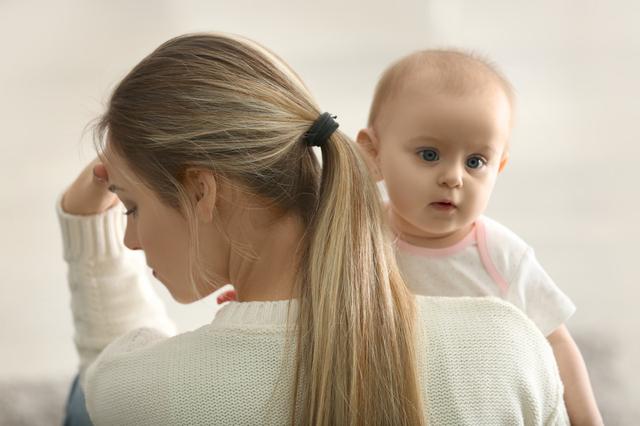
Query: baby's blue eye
(429, 155)
(475, 162)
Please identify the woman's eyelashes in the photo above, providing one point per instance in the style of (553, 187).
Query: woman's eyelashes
(130, 211)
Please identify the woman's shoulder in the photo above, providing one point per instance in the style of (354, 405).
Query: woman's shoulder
(462, 307)
(492, 358)
(486, 329)
(464, 316)
(218, 371)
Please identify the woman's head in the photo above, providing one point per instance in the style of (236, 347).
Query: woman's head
(207, 114)
(219, 104)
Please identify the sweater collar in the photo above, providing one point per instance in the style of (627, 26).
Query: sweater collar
(257, 313)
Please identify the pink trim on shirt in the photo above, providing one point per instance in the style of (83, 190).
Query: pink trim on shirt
(438, 252)
(481, 238)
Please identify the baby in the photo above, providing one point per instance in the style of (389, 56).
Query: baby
(438, 136)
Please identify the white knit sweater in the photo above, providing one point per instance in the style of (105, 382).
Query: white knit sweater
(481, 361)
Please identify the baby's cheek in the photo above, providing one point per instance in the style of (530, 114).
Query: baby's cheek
(402, 200)
(480, 201)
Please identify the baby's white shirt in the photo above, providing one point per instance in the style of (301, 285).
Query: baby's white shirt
(490, 261)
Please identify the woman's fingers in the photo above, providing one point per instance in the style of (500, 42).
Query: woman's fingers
(89, 193)
(227, 296)
(100, 173)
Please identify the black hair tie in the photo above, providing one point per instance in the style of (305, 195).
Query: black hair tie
(321, 130)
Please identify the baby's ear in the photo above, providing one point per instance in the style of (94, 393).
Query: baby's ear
(368, 144)
(503, 162)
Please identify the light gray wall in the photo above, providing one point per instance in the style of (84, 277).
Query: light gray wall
(571, 188)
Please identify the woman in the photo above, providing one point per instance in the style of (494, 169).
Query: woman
(207, 143)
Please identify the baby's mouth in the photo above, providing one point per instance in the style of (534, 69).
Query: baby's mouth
(444, 205)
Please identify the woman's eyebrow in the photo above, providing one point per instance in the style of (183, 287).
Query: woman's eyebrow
(114, 189)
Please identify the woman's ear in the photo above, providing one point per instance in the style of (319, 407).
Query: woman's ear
(203, 188)
(369, 147)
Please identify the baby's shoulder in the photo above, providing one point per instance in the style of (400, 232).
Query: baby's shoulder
(499, 234)
(505, 248)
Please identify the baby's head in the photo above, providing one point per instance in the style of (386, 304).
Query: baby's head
(438, 135)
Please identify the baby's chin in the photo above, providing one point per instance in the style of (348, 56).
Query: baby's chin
(445, 234)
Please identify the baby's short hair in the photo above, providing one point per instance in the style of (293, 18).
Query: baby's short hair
(455, 72)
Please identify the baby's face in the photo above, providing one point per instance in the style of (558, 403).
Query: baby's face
(439, 155)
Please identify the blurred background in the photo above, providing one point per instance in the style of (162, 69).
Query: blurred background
(570, 188)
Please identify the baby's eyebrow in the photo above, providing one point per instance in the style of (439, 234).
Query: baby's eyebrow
(485, 148)
(424, 138)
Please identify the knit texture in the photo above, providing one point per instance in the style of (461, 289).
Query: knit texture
(480, 360)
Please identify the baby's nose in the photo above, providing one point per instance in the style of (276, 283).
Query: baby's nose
(451, 178)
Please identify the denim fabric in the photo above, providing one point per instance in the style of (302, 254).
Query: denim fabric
(76, 413)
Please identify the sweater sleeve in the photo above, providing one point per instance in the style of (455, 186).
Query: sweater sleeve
(111, 294)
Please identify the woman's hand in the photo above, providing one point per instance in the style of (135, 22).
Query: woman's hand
(89, 193)
(227, 296)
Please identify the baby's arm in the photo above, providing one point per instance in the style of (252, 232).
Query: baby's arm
(578, 395)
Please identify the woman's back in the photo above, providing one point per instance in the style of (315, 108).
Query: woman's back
(235, 370)
(480, 362)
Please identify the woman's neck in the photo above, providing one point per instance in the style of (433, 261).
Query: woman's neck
(273, 273)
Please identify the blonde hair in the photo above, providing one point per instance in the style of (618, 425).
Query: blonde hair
(452, 71)
(230, 106)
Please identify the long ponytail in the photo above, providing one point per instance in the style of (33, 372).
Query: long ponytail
(356, 320)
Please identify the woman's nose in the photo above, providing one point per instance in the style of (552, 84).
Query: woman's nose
(130, 237)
